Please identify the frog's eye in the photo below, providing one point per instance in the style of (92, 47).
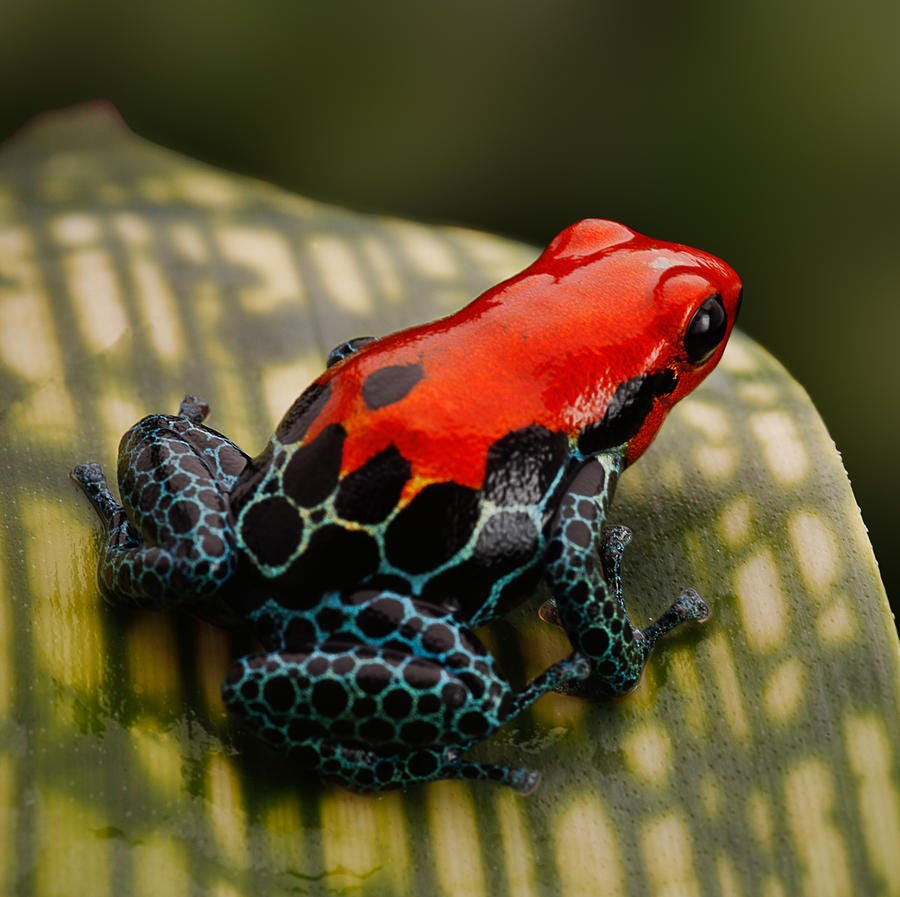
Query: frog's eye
(706, 330)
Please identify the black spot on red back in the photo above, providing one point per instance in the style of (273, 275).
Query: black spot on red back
(371, 492)
(302, 413)
(390, 384)
(312, 473)
(271, 529)
(507, 540)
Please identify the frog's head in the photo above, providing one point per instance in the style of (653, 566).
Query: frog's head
(696, 302)
(656, 318)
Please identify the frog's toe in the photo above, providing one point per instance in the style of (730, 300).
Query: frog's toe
(617, 535)
(525, 781)
(194, 409)
(92, 480)
(690, 606)
(89, 472)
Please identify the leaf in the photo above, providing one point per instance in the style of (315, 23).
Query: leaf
(758, 755)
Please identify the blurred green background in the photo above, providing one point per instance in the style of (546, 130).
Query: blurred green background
(768, 133)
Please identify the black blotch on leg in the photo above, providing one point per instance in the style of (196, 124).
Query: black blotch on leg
(522, 465)
(345, 349)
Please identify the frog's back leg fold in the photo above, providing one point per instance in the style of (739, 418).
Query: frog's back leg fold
(371, 718)
(171, 540)
(400, 708)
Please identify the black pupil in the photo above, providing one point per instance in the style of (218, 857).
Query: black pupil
(706, 330)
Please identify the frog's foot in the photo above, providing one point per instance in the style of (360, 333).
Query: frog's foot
(620, 669)
(93, 483)
(125, 559)
(688, 607)
(193, 409)
(524, 781)
(378, 771)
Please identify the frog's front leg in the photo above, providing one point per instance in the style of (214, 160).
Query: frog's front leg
(170, 540)
(587, 596)
(393, 696)
(347, 348)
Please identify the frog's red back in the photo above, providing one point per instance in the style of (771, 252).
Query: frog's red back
(598, 320)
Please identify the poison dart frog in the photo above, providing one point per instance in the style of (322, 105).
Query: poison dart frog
(420, 487)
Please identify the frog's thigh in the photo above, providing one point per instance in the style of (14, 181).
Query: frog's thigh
(365, 695)
(322, 703)
(173, 490)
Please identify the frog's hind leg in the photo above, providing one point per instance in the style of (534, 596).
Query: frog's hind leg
(170, 540)
(399, 708)
(374, 718)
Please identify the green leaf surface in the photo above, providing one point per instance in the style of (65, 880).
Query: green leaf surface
(757, 757)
